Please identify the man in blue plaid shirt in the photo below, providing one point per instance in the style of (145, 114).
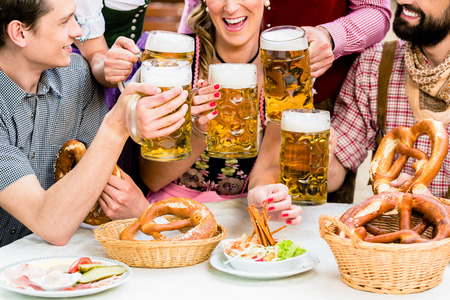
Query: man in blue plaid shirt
(47, 97)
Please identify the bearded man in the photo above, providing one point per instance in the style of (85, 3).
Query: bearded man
(418, 88)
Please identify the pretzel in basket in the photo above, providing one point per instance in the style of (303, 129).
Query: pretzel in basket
(383, 169)
(192, 214)
(434, 214)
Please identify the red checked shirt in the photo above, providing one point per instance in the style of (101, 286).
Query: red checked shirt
(355, 114)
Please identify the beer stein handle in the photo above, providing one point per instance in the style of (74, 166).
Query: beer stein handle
(121, 84)
(131, 118)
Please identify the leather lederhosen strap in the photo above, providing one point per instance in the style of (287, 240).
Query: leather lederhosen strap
(384, 75)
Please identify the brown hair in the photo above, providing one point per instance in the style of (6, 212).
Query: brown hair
(200, 23)
(26, 11)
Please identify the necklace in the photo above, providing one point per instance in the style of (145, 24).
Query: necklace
(250, 61)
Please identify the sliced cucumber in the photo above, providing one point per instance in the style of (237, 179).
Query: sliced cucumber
(86, 267)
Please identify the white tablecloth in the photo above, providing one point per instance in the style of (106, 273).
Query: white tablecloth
(202, 281)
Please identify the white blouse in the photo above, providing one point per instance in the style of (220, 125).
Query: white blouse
(89, 12)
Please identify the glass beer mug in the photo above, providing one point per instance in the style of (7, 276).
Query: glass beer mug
(167, 44)
(286, 68)
(233, 133)
(162, 44)
(165, 74)
(304, 154)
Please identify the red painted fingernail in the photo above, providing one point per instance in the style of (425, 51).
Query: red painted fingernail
(216, 86)
(284, 214)
(288, 222)
(204, 83)
(271, 208)
(212, 104)
(214, 112)
(269, 200)
(217, 95)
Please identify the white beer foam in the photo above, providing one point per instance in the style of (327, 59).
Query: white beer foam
(180, 75)
(288, 39)
(236, 76)
(171, 42)
(305, 120)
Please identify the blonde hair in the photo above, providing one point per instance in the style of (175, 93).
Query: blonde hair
(200, 23)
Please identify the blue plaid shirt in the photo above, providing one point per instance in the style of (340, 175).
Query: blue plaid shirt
(68, 104)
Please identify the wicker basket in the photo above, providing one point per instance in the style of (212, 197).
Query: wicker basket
(155, 254)
(385, 268)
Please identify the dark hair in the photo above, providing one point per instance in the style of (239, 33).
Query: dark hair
(26, 11)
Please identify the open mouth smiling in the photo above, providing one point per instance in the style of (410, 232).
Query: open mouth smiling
(235, 21)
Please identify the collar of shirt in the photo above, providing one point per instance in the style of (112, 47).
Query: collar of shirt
(11, 94)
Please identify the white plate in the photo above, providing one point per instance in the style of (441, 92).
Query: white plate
(308, 262)
(66, 294)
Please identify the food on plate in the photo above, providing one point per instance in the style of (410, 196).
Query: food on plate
(54, 275)
(262, 247)
(409, 199)
(261, 226)
(81, 261)
(252, 250)
(191, 213)
(68, 156)
(433, 214)
(100, 272)
(383, 169)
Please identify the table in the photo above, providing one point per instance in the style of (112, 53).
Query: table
(202, 281)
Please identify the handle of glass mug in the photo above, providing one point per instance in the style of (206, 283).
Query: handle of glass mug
(131, 118)
(121, 84)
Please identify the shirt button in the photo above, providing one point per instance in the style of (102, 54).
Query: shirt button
(133, 28)
(269, 8)
(31, 115)
(145, 6)
(33, 155)
(136, 15)
(132, 35)
(141, 10)
(13, 231)
(133, 21)
(268, 25)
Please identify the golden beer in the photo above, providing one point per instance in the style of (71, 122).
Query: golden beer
(304, 155)
(161, 45)
(166, 44)
(165, 75)
(286, 68)
(233, 133)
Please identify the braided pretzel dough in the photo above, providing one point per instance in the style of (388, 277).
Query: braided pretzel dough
(400, 140)
(434, 214)
(68, 156)
(193, 214)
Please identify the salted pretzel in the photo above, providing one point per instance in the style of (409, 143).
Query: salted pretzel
(434, 214)
(192, 214)
(383, 169)
(68, 156)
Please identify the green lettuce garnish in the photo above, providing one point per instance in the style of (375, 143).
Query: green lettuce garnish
(287, 249)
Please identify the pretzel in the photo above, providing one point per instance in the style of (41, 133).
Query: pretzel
(192, 214)
(68, 156)
(434, 214)
(383, 169)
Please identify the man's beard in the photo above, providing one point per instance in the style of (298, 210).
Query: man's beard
(429, 32)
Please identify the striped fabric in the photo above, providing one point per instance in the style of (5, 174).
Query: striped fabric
(355, 114)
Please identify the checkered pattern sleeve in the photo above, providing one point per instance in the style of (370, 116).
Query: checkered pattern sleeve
(354, 110)
(367, 23)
